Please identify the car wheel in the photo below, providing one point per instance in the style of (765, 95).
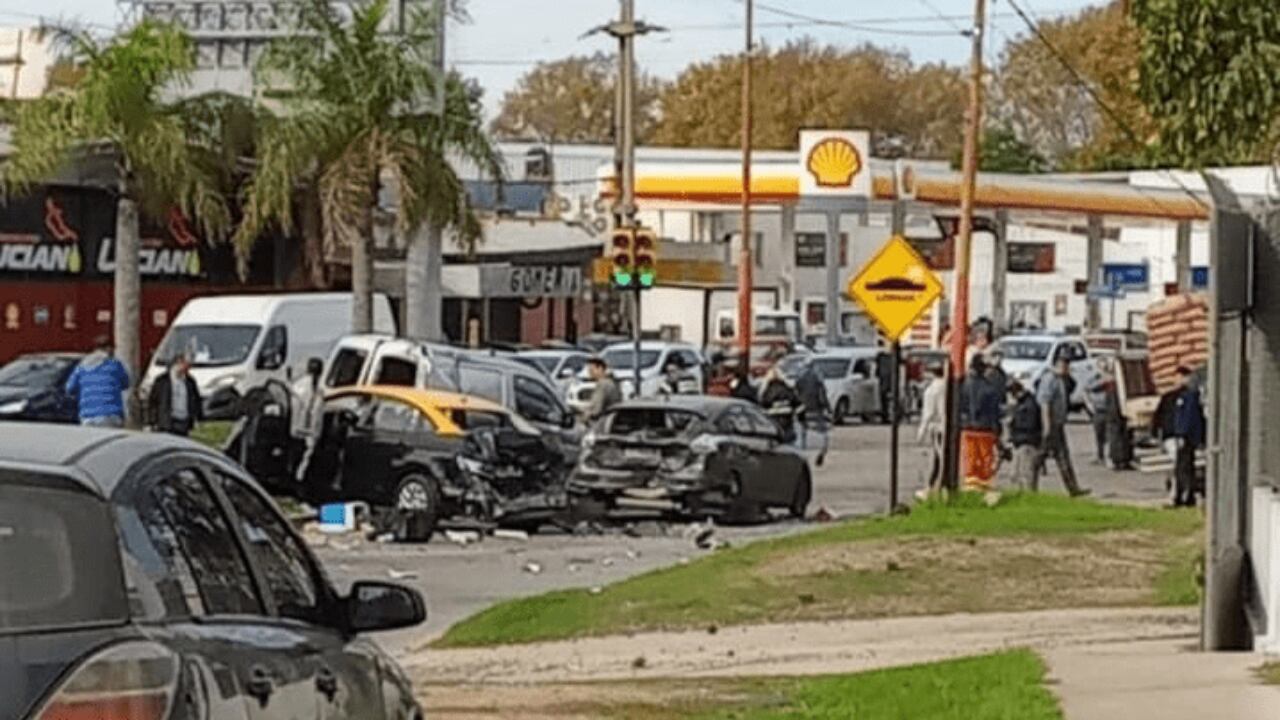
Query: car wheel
(802, 496)
(842, 411)
(417, 508)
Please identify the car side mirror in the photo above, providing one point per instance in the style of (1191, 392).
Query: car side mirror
(315, 368)
(568, 421)
(223, 404)
(374, 606)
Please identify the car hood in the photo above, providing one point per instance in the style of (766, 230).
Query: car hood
(9, 393)
(1022, 367)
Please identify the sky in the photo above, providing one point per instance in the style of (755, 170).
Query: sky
(504, 38)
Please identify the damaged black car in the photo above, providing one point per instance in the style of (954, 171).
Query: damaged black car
(688, 457)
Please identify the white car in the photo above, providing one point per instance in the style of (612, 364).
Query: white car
(655, 356)
(562, 366)
(1027, 358)
(850, 378)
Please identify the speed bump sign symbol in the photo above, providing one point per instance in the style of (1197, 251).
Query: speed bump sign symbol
(896, 287)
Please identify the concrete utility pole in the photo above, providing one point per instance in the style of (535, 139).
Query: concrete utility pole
(1182, 257)
(964, 245)
(1093, 261)
(746, 278)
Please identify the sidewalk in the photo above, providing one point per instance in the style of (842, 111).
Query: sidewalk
(1158, 680)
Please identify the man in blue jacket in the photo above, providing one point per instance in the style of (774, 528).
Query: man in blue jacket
(98, 384)
(1188, 423)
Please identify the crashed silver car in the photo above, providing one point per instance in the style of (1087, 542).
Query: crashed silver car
(685, 457)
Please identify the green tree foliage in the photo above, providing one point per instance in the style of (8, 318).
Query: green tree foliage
(1211, 77)
(348, 116)
(911, 110)
(572, 100)
(167, 154)
(1034, 94)
(1002, 151)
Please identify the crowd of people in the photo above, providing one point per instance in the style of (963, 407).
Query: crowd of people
(1002, 419)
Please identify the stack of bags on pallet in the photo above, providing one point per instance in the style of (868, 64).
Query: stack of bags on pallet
(1178, 334)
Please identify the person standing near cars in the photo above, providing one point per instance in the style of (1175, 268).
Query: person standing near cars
(176, 405)
(1051, 394)
(780, 401)
(1099, 397)
(980, 413)
(98, 385)
(606, 393)
(933, 420)
(1026, 432)
(1189, 426)
(817, 408)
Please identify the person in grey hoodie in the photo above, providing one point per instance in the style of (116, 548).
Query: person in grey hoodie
(98, 385)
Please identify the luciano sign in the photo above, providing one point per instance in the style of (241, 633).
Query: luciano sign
(63, 233)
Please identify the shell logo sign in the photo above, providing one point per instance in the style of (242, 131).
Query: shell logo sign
(835, 162)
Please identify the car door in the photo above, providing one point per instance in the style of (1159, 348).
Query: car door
(383, 436)
(538, 403)
(864, 387)
(778, 464)
(345, 681)
(743, 451)
(191, 586)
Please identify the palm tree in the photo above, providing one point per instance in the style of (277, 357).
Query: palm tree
(123, 107)
(346, 98)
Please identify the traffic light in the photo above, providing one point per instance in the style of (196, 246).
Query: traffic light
(622, 252)
(646, 257)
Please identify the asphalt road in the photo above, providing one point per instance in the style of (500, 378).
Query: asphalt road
(459, 581)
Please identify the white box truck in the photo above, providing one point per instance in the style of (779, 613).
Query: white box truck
(239, 342)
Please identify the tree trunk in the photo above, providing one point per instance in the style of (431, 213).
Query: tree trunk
(362, 276)
(128, 302)
(313, 250)
(423, 289)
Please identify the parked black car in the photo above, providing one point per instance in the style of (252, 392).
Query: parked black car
(688, 456)
(143, 576)
(31, 388)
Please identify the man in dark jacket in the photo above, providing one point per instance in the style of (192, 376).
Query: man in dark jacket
(817, 408)
(1026, 431)
(781, 402)
(1188, 420)
(175, 401)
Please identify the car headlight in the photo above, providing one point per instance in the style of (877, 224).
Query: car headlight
(470, 465)
(224, 381)
(13, 407)
(703, 445)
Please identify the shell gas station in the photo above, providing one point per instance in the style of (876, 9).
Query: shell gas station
(1044, 253)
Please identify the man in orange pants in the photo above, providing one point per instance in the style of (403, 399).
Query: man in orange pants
(980, 411)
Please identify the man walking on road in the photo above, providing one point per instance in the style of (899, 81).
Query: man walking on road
(606, 393)
(1026, 432)
(817, 409)
(98, 384)
(1052, 396)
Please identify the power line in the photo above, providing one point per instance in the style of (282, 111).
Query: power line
(1084, 84)
(827, 22)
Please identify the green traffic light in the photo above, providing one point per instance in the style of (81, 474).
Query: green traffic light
(647, 279)
(622, 279)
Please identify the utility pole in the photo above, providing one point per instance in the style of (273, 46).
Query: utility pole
(746, 279)
(625, 30)
(960, 303)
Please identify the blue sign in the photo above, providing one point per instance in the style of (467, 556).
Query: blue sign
(1200, 277)
(1133, 277)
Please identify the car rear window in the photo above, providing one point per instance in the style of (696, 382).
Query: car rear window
(59, 559)
(654, 422)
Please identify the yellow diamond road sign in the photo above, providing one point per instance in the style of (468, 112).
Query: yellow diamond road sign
(895, 288)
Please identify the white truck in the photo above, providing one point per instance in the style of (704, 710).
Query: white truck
(239, 342)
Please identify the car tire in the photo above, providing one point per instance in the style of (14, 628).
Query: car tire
(417, 508)
(803, 496)
(841, 412)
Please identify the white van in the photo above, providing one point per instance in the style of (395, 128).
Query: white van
(242, 341)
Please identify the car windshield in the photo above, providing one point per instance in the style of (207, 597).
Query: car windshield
(831, 367)
(59, 562)
(793, 365)
(1025, 349)
(651, 422)
(626, 359)
(208, 345)
(34, 372)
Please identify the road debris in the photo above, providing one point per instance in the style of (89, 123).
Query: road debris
(462, 538)
(506, 534)
(823, 515)
(533, 568)
(395, 574)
